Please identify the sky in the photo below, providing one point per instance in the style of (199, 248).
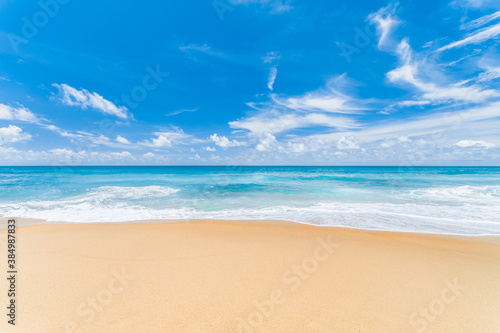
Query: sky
(250, 82)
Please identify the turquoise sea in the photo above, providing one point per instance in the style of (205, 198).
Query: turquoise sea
(451, 200)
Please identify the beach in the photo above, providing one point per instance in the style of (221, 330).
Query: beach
(242, 276)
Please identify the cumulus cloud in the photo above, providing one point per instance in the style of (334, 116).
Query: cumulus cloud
(165, 139)
(267, 142)
(86, 99)
(224, 142)
(348, 143)
(122, 140)
(19, 113)
(475, 143)
(12, 134)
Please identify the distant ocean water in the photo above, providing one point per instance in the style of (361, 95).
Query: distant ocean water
(450, 200)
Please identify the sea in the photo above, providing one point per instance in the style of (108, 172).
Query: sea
(441, 200)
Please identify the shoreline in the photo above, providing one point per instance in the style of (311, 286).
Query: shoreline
(242, 276)
(34, 221)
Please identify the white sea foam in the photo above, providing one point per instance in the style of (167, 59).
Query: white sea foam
(119, 192)
(459, 194)
(465, 210)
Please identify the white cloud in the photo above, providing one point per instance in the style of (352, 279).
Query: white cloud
(224, 142)
(126, 155)
(328, 99)
(474, 24)
(412, 103)
(19, 113)
(122, 140)
(86, 99)
(348, 143)
(267, 142)
(165, 139)
(202, 48)
(491, 73)
(475, 143)
(267, 124)
(67, 156)
(409, 72)
(276, 6)
(385, 22)
(12, 134)
(475, 37)
(210, 148)
(272, 58)
(441, 127)
(272, 78)
(477, 4)
(174, 113)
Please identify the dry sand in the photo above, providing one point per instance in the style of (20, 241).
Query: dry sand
(250, 277)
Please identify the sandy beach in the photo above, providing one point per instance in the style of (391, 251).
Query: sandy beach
(250, 277)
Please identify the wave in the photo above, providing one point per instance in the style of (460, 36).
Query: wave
(458, 194)
(121, 192)
(466, 220)
(467, 210)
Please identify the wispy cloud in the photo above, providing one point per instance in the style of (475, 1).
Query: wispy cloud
(174, 113)
(476, 37)
(385, 22)
(479, 22)
(272, 58)
(410, 72)
(272, 77)
(275, 6)
(264, 124)
(477, 4)
(201, 48)
(86, 99)
(330, 99)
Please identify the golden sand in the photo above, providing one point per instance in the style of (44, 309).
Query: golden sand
(250, 277)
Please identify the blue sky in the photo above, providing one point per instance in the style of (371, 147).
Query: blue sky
(250, 82)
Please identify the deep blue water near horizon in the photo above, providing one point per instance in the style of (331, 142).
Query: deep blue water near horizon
(452, 200)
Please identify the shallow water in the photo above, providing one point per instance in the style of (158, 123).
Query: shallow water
(451, 200)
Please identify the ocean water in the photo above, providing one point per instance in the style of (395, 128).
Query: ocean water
(450, 200)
